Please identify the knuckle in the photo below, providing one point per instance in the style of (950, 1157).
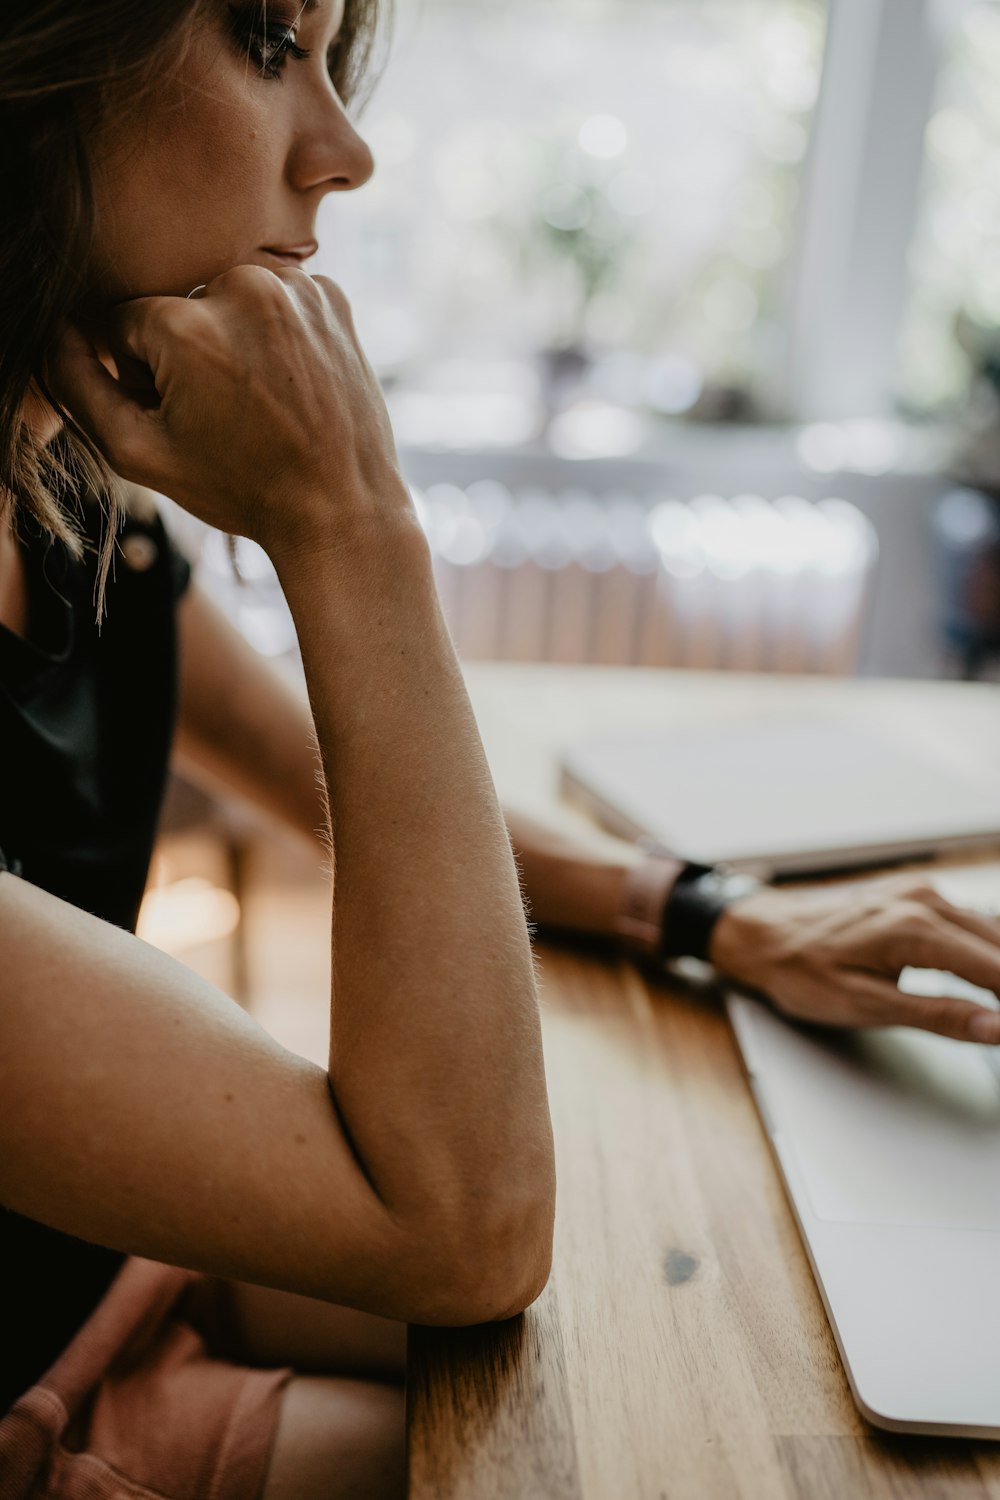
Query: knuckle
(248, 278)
(334, 293)
(232, 276)
(920, 939)
(171, 316)
(331, 287)
(919, 921)
(938, 1014)
(905, 934)
(922, 889)
(241, 273)
(890, 886)
(866, 1009)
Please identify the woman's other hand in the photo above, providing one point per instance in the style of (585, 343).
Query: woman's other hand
(834, 955)
(253, 406)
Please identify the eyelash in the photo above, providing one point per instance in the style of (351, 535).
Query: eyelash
(269, 43)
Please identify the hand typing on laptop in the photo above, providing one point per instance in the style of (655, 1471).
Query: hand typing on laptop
(829, 954)
(835, 955)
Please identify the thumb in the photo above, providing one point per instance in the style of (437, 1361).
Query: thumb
(116, 415)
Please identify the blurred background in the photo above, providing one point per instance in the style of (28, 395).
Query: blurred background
(698, 293)
(688, 317)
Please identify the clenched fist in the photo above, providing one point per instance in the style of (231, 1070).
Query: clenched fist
(252, 406)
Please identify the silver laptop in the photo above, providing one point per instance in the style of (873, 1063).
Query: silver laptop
(781, 795)
(889, 1148)
(888, 1140)
(889, 1145)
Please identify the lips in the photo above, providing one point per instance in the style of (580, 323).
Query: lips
(292, 255)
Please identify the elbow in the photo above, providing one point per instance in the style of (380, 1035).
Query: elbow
(487, 1294)
(498, 1271)
(484, 1264)
(514, 1255)
(505, 1288)
(481, 1251)
(516, 1296)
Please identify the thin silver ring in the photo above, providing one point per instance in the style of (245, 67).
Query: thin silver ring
(196, 289)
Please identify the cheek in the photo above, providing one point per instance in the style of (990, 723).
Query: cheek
(182, 194)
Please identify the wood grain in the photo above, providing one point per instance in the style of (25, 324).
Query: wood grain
(681, 1351)
(489, 1411)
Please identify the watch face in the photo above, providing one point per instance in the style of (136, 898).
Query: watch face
(741, 885)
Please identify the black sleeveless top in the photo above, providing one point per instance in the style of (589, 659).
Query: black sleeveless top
(86, 720)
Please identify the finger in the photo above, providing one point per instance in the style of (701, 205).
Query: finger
(117, 424)
(883, 1004)
(976, 922)
(924, 891)
(135, 378)
(140, 329)
(943, 944)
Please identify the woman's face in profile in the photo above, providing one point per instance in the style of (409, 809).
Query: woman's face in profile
(227, 160)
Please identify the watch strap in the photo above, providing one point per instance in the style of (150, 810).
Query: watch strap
(695, 904)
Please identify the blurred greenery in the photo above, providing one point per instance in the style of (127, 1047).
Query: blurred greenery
(619, 177)
(951, 330)
(569, 220)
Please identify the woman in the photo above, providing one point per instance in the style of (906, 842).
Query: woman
(146, 1123)
(141, 1110)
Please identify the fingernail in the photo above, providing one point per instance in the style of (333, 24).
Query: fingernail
(985, 1028)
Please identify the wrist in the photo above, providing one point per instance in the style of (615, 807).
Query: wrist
(736, 940)
(671, 910)
(384, 545)
(645, 890)
(699, 900)
(321, 525)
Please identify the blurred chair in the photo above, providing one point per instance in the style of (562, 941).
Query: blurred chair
(533, 572)
(741, 583)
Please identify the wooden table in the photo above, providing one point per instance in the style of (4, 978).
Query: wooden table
(680, 1350)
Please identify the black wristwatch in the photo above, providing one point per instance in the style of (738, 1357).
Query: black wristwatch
(697, 899)
(666, 915)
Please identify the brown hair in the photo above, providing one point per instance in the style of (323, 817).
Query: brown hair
(60, 60)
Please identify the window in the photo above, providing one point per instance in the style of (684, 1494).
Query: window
(618, 178)
(951, 328)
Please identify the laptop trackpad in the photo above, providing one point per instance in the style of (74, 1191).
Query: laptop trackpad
(892, 1126)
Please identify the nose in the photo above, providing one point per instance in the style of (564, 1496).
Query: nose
(329, 153)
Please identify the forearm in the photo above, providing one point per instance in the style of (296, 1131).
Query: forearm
(569, 883)
(435, 1055)
(268, 423)
(244, 728)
